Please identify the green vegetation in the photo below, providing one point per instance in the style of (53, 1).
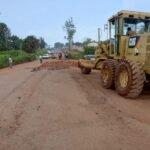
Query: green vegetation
(89, 50)
(70, 30)
(76, 56)
(12, 42)
(41, 52)
(21, 50)
(18, 56)
(30, 44)
(4, 36)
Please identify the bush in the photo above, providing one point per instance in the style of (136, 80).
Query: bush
(17, 56)
(76, 56)
(23, 58)
(89, 50)
(3, 61)
(41, 52)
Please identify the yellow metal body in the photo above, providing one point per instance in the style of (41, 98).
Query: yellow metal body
(87, 63)
(137, 47)
(121, 46)
(91, 64)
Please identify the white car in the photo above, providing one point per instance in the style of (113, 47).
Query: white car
(45, 56)
(52, 55)
(89, 57)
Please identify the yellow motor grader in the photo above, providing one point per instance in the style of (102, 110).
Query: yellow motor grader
(125, 60)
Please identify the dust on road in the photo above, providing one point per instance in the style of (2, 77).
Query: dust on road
(63, 109)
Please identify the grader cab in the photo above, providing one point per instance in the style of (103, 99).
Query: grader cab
(127, 63)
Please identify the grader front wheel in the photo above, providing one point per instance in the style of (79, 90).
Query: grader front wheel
(129, 79)
(85, 70)
(108, 73)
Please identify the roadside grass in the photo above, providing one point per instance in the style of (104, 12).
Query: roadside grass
(76, 56)
(18, 56)
(41, 52)
(87, 51)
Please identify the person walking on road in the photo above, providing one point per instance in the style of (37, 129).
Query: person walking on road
(41, 60)
(60, 56)
(10, 61)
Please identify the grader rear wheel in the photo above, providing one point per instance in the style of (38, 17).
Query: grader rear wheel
(85, 70)
(108, 73)
(129, 79)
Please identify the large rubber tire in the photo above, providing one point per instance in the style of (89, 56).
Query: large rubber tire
(108, 73)
(85, 70)
(129, 79)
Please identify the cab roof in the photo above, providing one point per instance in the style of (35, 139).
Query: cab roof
(131, 14)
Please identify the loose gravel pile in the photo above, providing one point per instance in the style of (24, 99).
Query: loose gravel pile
(57, 64)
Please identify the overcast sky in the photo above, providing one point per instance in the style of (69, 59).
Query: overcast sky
(45, 18)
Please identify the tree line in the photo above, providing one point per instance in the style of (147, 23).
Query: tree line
(84, 43)
(13, 42)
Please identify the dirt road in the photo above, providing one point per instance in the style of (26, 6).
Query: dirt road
(65, 110)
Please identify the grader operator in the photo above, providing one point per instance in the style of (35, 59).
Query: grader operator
(125, 60)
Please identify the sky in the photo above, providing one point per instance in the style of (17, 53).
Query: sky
(46, 18)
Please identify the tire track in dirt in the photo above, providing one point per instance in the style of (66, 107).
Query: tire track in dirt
(135, 109)
(12, 118)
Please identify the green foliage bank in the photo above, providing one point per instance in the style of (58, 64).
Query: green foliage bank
(18, 57)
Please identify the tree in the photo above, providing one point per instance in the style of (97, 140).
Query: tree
(70, 30)
(30, 44)
(42, 43)
(87, 41)
(14, 42)
(4, 36)
(66, 44)
(58, 45)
